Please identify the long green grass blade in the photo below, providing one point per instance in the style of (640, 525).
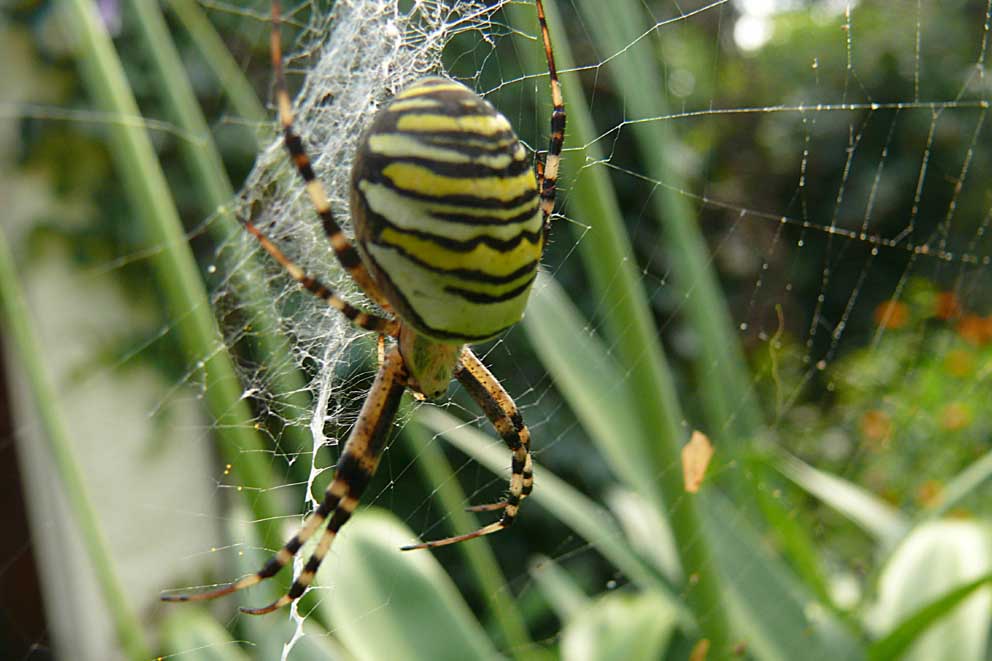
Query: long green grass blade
(28, 352)
(777, 616)
(962, 485)
(176, 272)
(612, 268)
(596, 387)
(791, 532)
(724, 385)
(871, 514)
(386, 604)
(581, 514)
(210, 178)
(230, 75)
(438, 474)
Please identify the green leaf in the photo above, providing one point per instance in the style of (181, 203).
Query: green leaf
(962, 485)
(612, 269)
(194, 635)
(596, 387)
(619, 625)
(623, 626)
(479, 556)
(647, 531)
(873, 515)
(177, 275)
(727, 396)
(917, 604)
(17, 324)
(790, 532)
(581, 514)
(899, 639)
(215, 191)
(386, 604)
(559, 588)
(775, 613)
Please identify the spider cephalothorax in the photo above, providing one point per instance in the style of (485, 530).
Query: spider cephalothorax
(450, 221)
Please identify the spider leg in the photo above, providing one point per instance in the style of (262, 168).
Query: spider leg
(317, 288)
(548, 170)
(505, 417)
(346, 253)
(359, 460)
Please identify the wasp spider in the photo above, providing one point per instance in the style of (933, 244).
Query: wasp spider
(450, 222)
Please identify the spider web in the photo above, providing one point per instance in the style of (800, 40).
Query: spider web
(835, 157)
(872, 203)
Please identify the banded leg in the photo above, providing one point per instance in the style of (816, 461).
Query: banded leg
(547, 172)
(317, 288)
(345, 252)
(505, 417)
(358, 462)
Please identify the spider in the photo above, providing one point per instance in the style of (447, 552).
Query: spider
(450, 223)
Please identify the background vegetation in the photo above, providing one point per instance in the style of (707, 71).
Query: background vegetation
(842, 377)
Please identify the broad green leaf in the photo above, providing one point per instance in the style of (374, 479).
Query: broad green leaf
(899, 639)
(937, 557)
(194, 635)
(621, 626)
(387, 604)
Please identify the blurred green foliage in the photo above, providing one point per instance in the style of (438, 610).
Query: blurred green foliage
(897, 413)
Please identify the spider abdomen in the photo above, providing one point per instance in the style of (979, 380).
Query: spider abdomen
(446, 211)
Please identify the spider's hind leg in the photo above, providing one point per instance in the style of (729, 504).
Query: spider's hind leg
(505, 417)
(358, 463)
(359, 460)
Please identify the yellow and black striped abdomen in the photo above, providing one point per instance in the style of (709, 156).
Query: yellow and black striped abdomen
(446, 212)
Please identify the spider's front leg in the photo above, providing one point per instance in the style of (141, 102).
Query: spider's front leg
(499, 407)
(346, 253)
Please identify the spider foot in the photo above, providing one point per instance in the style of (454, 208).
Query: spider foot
(485, 530)
(275, 605)
(488, 507)
(247, 581)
